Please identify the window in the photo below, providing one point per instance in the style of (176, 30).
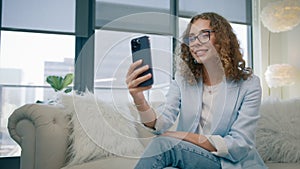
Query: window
(47, 15)
(112, 47)
(113, 57)
(241, 31)
(234, 10)
(135, 15)
(26, 60)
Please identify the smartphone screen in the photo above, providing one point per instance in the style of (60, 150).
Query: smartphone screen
(140, 48)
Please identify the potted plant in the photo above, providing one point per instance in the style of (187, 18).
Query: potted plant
(59, 84)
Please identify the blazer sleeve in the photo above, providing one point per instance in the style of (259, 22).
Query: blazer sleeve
(240, 139)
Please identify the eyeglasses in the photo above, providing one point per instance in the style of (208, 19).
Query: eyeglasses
(203, 37)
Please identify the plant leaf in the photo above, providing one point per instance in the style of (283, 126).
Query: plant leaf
(55, 82)
(68, 90)
(39, 101)
(68, 79)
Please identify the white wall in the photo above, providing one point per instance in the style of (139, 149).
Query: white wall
(291, 49)
(275, 48)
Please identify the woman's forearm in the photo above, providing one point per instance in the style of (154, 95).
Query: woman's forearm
(147, 114)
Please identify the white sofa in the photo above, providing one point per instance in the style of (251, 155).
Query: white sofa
(43, 132)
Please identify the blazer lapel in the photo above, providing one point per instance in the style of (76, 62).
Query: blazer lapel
(223, 113)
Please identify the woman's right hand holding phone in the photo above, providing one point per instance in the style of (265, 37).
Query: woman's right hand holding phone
(133, 81)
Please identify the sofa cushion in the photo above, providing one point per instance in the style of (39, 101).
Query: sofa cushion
(108, 163)
(283, 165)
(99, 129)
(278, 131)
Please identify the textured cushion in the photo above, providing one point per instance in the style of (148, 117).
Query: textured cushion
(283, 165)
(108, 163)
(278, 132)
(100, 130)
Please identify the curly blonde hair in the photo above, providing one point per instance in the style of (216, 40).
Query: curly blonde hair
(227, 46)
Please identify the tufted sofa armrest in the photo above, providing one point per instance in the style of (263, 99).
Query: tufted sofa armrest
(42, 132)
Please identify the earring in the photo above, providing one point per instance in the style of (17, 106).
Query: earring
(195, 61)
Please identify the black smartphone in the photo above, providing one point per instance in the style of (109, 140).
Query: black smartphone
(140, 48)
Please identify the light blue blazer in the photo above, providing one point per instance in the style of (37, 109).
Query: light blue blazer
(235, 120)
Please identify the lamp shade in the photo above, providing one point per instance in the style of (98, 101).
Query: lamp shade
(281, 16)
(279, 75)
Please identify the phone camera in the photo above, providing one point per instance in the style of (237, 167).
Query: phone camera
(138, 41)
(136, 44)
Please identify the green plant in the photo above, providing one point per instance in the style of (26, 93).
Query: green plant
(59, 83)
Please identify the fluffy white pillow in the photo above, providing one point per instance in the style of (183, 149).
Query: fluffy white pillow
(278, 132)
(99, 129)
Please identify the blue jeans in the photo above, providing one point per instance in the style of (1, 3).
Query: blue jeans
(171, 152)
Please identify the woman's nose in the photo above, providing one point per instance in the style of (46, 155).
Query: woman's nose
(195, 45)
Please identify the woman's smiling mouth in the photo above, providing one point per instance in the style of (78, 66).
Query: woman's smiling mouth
(201, 52)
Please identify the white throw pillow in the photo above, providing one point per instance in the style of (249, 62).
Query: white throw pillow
(278, 131)
(100, 129)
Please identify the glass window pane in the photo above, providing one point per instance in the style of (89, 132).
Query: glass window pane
(158, 4)
(241, 32)
(32, 55)
(26, 60)
(113, 57)
(135, 16)
(49, 15)
(233, 10)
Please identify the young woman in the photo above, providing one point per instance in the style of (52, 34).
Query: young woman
(215, 98)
